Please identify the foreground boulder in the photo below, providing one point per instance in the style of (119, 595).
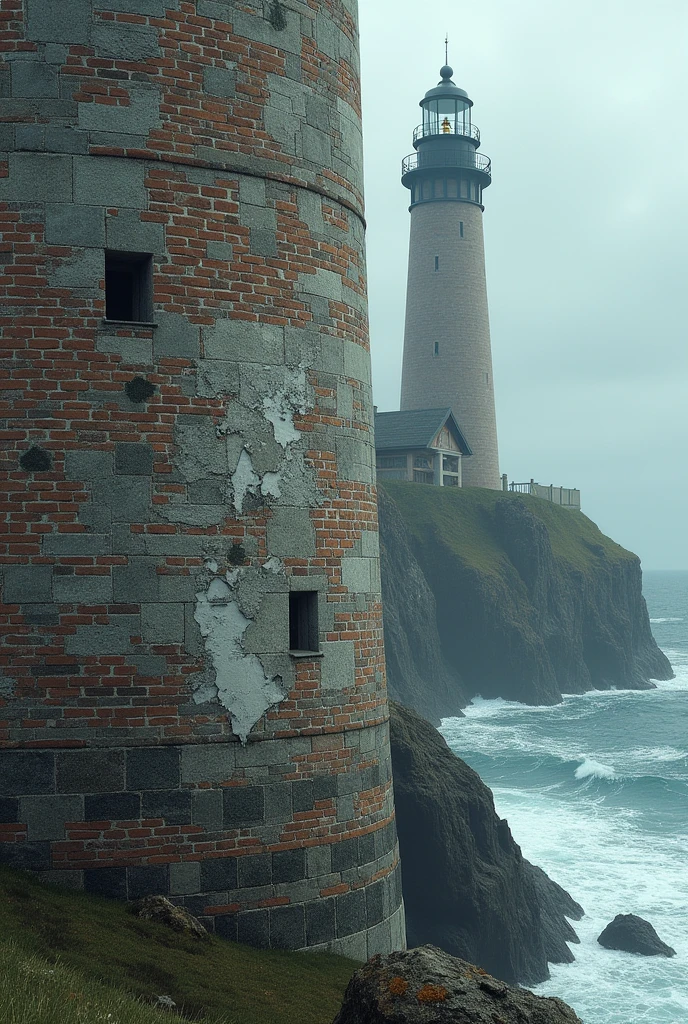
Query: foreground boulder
(467, 887)
(634, 935)
(160, 910)
(427, 986)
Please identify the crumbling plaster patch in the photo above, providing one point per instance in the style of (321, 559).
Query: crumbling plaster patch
(240, 680)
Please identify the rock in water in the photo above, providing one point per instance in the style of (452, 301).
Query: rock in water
(160, 910)
(428, 986)
(633, 934)
(467, 888)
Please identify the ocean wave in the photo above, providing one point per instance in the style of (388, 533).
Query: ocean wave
(591, 769)
(668, 619)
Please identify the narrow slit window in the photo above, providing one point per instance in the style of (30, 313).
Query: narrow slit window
(461, 228)
(437, 263)
(437, 348)
(129, 287)
(303, 621)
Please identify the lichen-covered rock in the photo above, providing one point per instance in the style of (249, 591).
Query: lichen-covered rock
(467, 887)
(633, 934)
(428, 986)
(160, 910)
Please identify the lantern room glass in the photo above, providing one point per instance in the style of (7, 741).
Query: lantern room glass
(446, 116)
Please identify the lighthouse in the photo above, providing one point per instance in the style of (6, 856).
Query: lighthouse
(447, 352)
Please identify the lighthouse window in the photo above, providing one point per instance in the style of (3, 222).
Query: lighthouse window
(129, 287)
(437, 348)
(437, 263)
(461, 228)
(303, 621)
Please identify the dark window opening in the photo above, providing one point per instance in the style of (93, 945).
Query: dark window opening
(461, 228)
(437, 263)
(129, 287)
(303, 621)
(437, 348)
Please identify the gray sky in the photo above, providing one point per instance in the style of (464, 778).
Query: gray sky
(583, 108)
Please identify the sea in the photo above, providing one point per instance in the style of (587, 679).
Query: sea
(596, 792)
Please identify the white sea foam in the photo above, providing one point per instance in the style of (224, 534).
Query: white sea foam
(669, 619)
(594, 769)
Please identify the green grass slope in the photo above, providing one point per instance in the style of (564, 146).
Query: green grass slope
(67, 957)
(463, 520)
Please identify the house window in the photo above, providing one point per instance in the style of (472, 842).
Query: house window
(392, 462)
(450, 463)
(422, 462)
(450, 481)
(303, 621)
(423, 478)
(437, 348)
(129, 287)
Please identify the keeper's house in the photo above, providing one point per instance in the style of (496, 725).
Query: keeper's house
(424, 446)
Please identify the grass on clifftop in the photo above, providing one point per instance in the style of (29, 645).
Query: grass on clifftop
(464, 520)
(69, 958)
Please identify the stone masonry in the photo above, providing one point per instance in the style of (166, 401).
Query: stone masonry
(449, 306)
(181, 477)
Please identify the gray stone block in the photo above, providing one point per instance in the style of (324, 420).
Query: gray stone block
(34, 79)
(173, 806)
(88, 465)
(254, 870)
(219, 82)
(261, 753)
(26, 856)
(253, 928)
(147, 880)
(317, 146)
(207, 809)
(63, 879)
(320, 922)
(220, 251)
(351, 912)
(162, 623)
(380, 939)
(112, 639)
(37, 178)
(127, 232)
(55, 53)
(53, 21)
(108, 181)
(137, 582)
(338, 665)
(46, 816)
(287, 927)
(177, 588)
(278, 808)
(153, 768)
(76, 544)
(252, 191)
(125, 42)
(219, 873)
(62, 139)
(270, 632)
(243, 805)
(149, 8)
(25, 772)
(82, 589)
(133, 459)
(175, 337)
(263, 242)
(27, 584)
(137, 351)
(211, 762)
(356, 575)
(245, 341)
(129, 498)
(137, 118)
(90, 771)
(288, 866)
(185, 878)
(75, 225)
(83, 268)
(291, 533)
(112, 807)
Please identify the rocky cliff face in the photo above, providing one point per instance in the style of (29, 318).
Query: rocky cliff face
(467, 888)
(531, 601)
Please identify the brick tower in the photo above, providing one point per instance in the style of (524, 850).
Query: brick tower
(447, 353)
(192, 690)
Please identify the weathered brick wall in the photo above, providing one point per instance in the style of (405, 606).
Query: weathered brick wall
(201, 468)
(449, 306)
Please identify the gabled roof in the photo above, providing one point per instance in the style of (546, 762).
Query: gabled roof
(415, 428)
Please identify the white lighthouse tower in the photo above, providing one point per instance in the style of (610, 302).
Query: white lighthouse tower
(447, 352)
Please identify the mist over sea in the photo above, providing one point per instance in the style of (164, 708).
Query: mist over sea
(596, 793)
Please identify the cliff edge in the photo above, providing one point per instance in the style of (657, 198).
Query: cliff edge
(467, 887)
(531, 601)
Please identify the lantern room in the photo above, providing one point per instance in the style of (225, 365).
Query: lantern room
(446, 108)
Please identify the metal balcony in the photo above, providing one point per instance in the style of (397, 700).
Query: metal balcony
(469, 131)
(428, 161)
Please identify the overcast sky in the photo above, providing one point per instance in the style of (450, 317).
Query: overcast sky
(583, 108)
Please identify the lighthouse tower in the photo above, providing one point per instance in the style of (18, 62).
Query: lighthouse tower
(447, 354)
